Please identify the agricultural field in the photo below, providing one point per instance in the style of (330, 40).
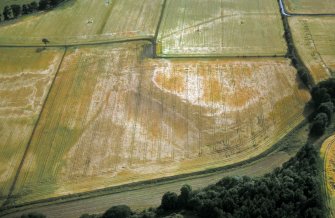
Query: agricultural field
(221, 28)
(114, 116)
(315, 40)
(143, 196)
(94, 21)
(328, 153)
(23, 89)
(310, 6)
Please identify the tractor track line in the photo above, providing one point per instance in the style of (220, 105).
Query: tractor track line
(11, 190)
(103, 25)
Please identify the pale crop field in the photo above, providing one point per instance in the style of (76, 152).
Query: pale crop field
(25, 79)
(310, 6)
(115, 117)
(86, 21)
(221, 28)
(315, 40)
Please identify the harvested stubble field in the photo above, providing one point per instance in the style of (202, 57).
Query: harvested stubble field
(315, 40)
(94, 21)
(115, 117)
(221, 28)
(23, 89)
(310, 6)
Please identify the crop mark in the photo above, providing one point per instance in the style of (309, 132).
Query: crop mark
(10, 194)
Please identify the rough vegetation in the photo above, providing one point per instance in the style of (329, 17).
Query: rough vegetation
(14, 11)
(323, 99)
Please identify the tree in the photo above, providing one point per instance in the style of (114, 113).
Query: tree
(319, 124)
(169, 201)
(320, 95)
(33, 215)
(45, 41)
(303, 75)
(16, 10)
(33, 6)
(119, 211)
(185, 195)
(44, 4)
(327, 108)
(7, 13)
(25, 9)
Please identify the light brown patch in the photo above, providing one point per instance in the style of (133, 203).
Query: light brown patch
(212, 91)
(172, 83)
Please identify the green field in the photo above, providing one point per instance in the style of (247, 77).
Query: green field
(23, 89)
(310, 6)
(221, 28)
(315, 40)
(86, 21)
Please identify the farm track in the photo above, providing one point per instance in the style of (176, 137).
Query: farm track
(46, 205)
(32, 134)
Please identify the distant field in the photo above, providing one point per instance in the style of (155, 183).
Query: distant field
(113, 119)
(310, 6)
(25, 79)
(86, 21)
(221, 27)
(315, 41)
(328, 153)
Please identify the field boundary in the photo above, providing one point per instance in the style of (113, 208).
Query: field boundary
(149, 39)
(10, 194)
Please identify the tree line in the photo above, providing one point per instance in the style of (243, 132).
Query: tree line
(14, 11)
(323, 101)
